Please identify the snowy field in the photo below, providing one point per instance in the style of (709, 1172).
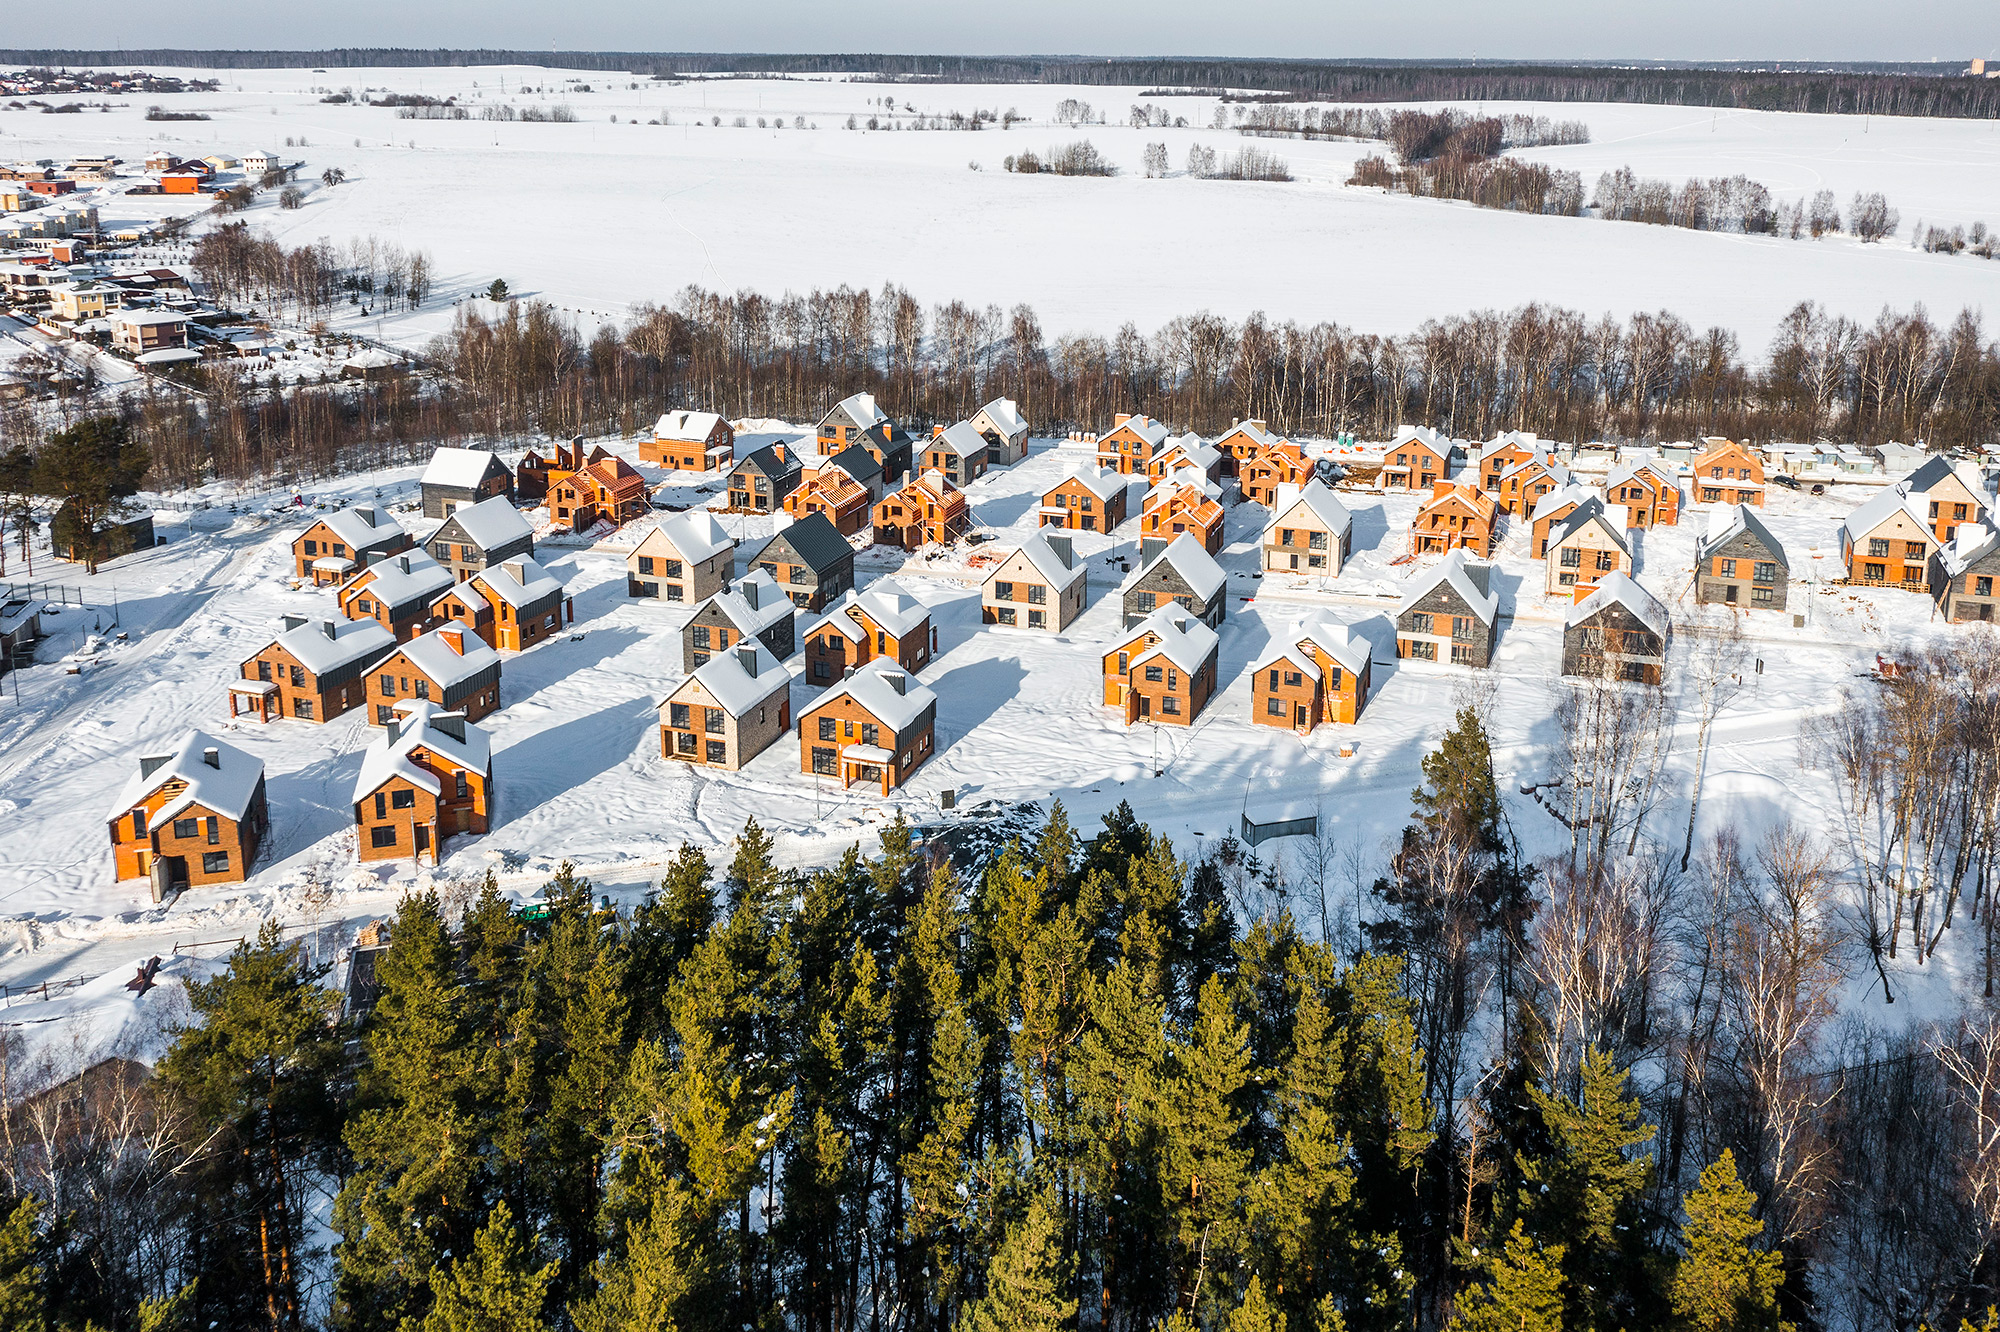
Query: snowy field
(597, 216)
(577, 766)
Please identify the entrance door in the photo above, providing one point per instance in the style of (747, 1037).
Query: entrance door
(1295, 561)
(1300, 716)
(423, 832)
(1145, 705)
(1729, 594)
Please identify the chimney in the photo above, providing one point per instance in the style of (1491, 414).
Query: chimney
(326, 627)
(403, 561)
(152, 763)
(896, 680)
(450, 723)
(778, 452)
(1061, 546)
(517, 571)
(394, 730)
(212, 757)
(1120, 419)
(370, 516)
(454, 638)
(293, 622)
(746, 657)
(936, 431)
(748, 587)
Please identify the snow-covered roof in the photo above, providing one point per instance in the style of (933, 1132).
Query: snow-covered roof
(1005, 416)
(362, 528)
(518, 582)
(961, 438)
(1195, 565)
(1557, 472)
(686, 427)
(1620, 588)
(1145, 427)
(1468, 578)
(371, 358)
(1883, 506)
(755, 603)
(1662, 475)
(1254, 431)
(1054, 561)
(323, 646)
(166, 356)
(696, 535)
(492, 523)
(433, 654)
(861, 409)
(1972, 543)
(1345, 643)
(226, 786)
(1590, 511)
(1099, 481)
(461, 468)
(416, 727)
(1572, 493)
(739, 678)
(406, 577)
(1196, 450)
(1424, 435)
(1183, 639)
(886, 602)
(1317, 500)
(1728, 521)
(890, 694)
(1182, 477)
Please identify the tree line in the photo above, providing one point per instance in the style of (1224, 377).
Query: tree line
(1062, 1081)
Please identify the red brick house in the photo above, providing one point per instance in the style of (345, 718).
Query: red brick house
(511, 606)
(1726, 472)
(1092, 501)
(190, 817)
(885, 621)
(1456, 515)
(607, 490)
(1950, 497)
(1503, 453)
(685, 441)
(1521, 486)
(1188, 452)
(1163, 669)
(929, 510)
(836, 495)
(1649, 489)
(429, 776)
(1318, 670)
(1889, 542)
(732, 708)
(312, 670)
(449, 667)
(335, 546)
(1242, 442)
(1416, 459)
(876, 726)
(396, 593)
(1282, 464)
(1185, 502)
(1128, 447)
(1550, 510)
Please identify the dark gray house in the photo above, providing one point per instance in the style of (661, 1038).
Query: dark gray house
(1450, 613)
(1965, 573)
(761, 480)
(810, 561)
(458, 477)
(481, 536)
(754, 608)
(1739, 562)
(1184, 575)
(1618, 632)
(859, 420)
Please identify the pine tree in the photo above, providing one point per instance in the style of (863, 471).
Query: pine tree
(1255, 1313)
(495, 1288)
(665, 1278)
(1724, 1283)
(754, 878)
(23, 1301)
(1026, 1280)
(1120, 1071)
(666, 929)
(1204, 1166)
(1523, 1291)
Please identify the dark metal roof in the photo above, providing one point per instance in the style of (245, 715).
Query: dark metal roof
(814, 539)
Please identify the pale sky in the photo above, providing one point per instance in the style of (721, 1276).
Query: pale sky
(1548, 29)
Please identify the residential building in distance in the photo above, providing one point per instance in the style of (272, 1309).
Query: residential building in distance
(1649, 489)
(336, 545)
(1726, 472)
(1962, 575)
(687, 441)
(140, 332)
(479, 536)
(1449, 612)
(427, 777)
(958, 452)
(1416, 459)
(1523, 485)
(1188, 452)
(511, 606)
(760, 481)
(1042, 586)
(606, 489)
(1318, 670)
(833, 493)
(1948, 494)
(1500, 455)
(534, 474)
(732, 708)
(858, 419)
(312, 670)
(810, 561)
(458, 477)
(1739, 563)
(688, 557)
(1086, 501)
(193, 816)
(448, 666)
(1549, 511)
(1268, 470)
(1128, 447)
(1456, 516)
(1583, 548)
(1242, 442)
(754, 609)
(396, 593)
(1310, 531)
(884, 621)
(1163, 669)
(876, 726)
(928, 510)
(1618, 632)
(1005, 430)
(1184, 502)
(1888, 541)
(1183, 575)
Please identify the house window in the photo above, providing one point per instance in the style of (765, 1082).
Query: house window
(462, 788)
(1154, 675)
(673, 568)
(1462, 626)
(1005, 615)
(1913, 550)
(423, 687)
(1037, 595)
(1982, 586)
(871, 734)
(1958, 511)
(1038, 619)
(718, 751)
(1634, 671)
(215, 862)
(1274, 677)
(677, 716)
(712, 720)
(1571, 558)
(1335, 679)
(673, 594)
(187, 829)
(645, 564)
(826, 728)
(1293, 679)
(1763, 571)
(383, 836)
(1878, 572)
(1461, 654)
(701, 635)
(1762, 596)
(1316, 541)
(404, 799)
(1170, 705)
(1423, 649)
(1605, 561)
(389, 684)
(826, 761)
(302, 708)
(1420, 623)
(1725, 568)
(264, 671)
(298, 677)
(1274, 706)
(685, 742)
(312, 548)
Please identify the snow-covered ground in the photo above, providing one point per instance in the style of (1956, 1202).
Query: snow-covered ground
(597, 216)
(579, 776)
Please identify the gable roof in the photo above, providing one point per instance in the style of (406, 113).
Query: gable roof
(1184, 639)
(686, 427)
(754, 604)
(1557, 472)
(1005, 416)
(1881, 508)
(960, 438)
(226, 788)
(491, 523)
(1466, 493)
(860, 408)
(1316, 499)
(814, 539)
(1572, 493)
(1197, 451)
(1054, 561)
(886, 603)
(1937, 469)
(403, 578)
(1619, 588)
(430, 653)
(1590, 511)
(1099, 481)
(1637, 469)
(1470, 579)
(1728, 521)
(1195, 565)
(695, 535)
(1972, 543)
(1254, 431)
(1424, 435)
(461, 469)
(324, 646)
(1145, 427)
(889, 694)
(1340, 641)
(416, 728)
(362, 527)
(534, 583)
(738, 686)
(767, 461)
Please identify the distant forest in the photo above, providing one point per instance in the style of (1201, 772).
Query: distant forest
(1860, 89)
